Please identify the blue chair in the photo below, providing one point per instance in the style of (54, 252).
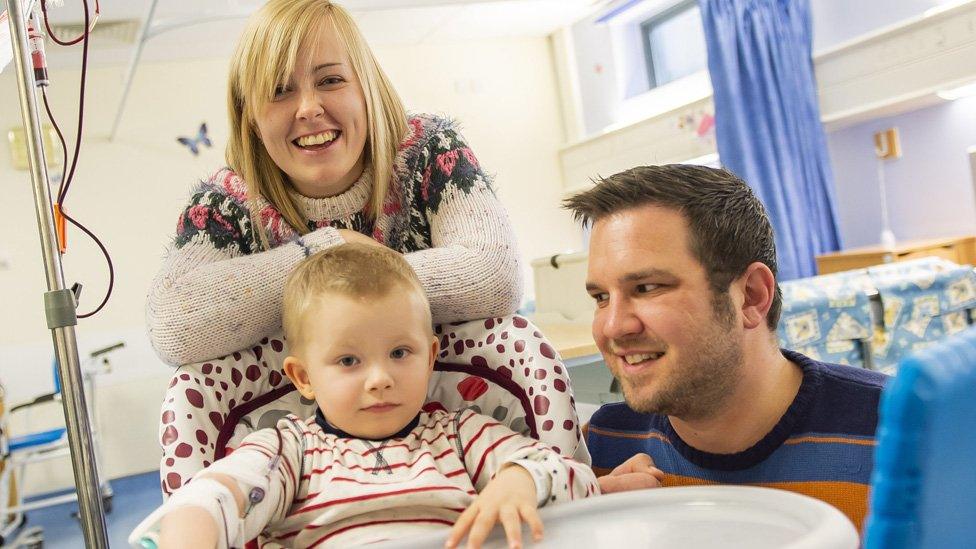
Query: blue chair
(42, 438)
(18, 452)
(924, 480)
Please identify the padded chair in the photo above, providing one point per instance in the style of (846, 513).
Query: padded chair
(924, 482)
(502, 367)
(20, 452)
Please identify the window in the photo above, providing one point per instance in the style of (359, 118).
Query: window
(674, 43)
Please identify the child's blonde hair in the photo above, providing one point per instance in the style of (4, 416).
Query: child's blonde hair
(264, 60)
(350, 270)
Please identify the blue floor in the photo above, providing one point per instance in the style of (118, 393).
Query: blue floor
(135, 497)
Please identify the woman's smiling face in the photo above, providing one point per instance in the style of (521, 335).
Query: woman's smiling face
(315, 126)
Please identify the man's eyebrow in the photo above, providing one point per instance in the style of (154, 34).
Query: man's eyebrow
(647, 273)
(636, 276)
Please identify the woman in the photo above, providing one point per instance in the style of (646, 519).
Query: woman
(322, 152)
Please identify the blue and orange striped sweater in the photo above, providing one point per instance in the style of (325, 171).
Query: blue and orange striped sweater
(823, 445)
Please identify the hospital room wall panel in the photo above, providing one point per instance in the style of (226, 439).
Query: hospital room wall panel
(657, 140)
(930, 189)
(898, 66)
(838, 21)
(130, 192)
(605, 103)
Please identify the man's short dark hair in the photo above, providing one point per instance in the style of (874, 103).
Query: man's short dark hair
(729, 227)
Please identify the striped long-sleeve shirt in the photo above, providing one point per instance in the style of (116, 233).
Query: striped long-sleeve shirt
(333, 491)
(822, 447)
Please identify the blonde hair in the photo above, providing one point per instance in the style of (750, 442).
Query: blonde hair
(265, 58)
(351, 270)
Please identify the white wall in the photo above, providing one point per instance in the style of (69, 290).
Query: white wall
(504, 94)
(930, 189)
(130, 192)
(593, 48)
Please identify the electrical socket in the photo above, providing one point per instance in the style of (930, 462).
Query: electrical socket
(887, 145)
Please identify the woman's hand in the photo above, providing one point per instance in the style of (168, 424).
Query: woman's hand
(510, 497)
(637, 473)
(353, 236)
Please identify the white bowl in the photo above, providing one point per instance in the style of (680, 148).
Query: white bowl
(689, 517)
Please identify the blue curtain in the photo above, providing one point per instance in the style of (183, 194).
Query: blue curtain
(767, 121)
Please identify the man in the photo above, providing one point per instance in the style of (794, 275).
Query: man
(682, 268)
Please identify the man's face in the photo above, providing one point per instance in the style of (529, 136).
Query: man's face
(673, 343)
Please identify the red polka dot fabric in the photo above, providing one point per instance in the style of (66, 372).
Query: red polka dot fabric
(501, 367)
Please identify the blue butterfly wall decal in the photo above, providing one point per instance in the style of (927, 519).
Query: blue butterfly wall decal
(194, 143)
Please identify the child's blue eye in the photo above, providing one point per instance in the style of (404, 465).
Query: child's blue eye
(348, 361)
(400, 353)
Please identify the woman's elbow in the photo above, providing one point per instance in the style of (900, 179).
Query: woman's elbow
(167, 349)
(505, 285)
(172, 333)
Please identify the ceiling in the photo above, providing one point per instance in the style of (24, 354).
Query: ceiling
(209, 28)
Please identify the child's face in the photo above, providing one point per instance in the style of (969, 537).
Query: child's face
(366, 361)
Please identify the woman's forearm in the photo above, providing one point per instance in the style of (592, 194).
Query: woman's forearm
(206, 304)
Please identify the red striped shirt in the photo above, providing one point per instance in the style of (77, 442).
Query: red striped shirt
(338, 492)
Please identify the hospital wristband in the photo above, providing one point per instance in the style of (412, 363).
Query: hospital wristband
(541, 478)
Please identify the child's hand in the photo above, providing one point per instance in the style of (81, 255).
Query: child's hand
(188, 527)
(510, 497)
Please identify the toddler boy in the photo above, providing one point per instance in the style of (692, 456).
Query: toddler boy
(371, 465)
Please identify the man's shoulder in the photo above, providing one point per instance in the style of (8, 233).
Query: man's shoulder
(868, 380)
(616, 432)
(847, 399)
(857, 379)
(848, 378)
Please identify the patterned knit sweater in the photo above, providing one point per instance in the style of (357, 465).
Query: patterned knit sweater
(217, 293)
(333, 491)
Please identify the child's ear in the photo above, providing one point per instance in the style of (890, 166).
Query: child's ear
(435, 346)
(298, 374)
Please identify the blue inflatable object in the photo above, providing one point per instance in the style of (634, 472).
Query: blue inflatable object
(924, 481)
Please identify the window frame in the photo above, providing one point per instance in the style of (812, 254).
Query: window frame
(657, 20)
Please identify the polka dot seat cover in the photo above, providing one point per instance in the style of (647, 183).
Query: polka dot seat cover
(502, 367)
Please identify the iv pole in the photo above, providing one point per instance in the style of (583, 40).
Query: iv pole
(59, 302)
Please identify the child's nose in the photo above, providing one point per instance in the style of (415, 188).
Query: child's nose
(379, 378)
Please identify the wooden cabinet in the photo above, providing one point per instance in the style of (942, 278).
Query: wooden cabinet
(961, 250)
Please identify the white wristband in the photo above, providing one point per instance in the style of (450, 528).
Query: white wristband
(541, 478)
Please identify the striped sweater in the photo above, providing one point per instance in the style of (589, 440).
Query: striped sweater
(822, 447)
(334, 491)
(217, 292)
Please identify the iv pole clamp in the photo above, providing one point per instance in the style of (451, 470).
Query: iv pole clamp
(59, 302)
